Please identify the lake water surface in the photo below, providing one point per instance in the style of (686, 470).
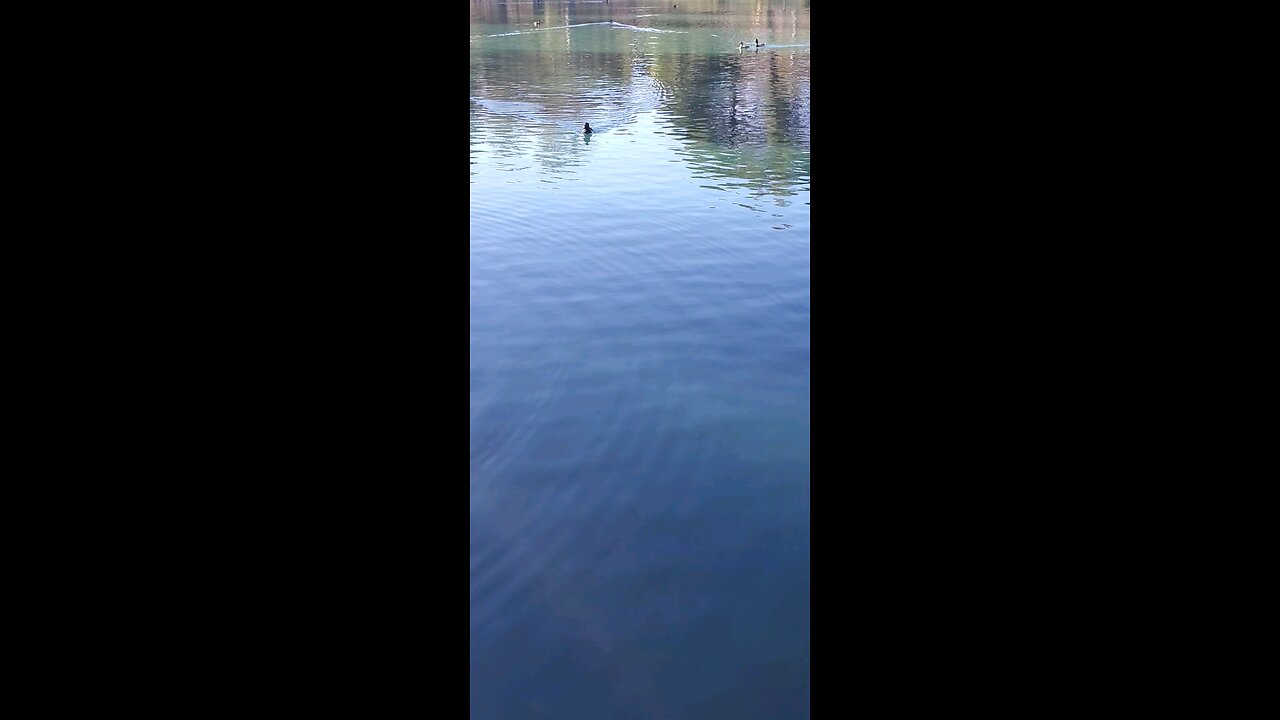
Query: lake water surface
(639, 360)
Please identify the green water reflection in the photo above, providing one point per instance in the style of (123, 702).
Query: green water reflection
(739, 114)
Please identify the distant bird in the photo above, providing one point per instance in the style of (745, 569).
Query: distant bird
(742, 46)
(586, 128)
(758, 43)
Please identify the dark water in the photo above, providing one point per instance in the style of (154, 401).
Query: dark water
(639, 360)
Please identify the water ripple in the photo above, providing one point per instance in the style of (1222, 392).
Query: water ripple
(639, 364)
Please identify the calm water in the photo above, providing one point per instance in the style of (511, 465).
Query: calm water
(639, 360)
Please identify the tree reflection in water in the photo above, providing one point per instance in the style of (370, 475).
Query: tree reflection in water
(742, 118)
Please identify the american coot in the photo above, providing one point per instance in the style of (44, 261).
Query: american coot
(586, 128)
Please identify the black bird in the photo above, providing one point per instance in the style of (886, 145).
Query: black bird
(586, 128)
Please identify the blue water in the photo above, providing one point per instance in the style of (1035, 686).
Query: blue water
(639, 359)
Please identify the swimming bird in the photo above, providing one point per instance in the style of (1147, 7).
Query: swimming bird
(758, 43)
(742, 46)
(586, 128)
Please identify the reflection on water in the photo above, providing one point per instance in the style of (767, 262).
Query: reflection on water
(639, 359)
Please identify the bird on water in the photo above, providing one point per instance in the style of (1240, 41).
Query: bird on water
(586, 128)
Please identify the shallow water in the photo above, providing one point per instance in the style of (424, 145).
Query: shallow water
(639, 360)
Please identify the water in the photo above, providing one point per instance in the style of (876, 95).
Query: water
(639, 420)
